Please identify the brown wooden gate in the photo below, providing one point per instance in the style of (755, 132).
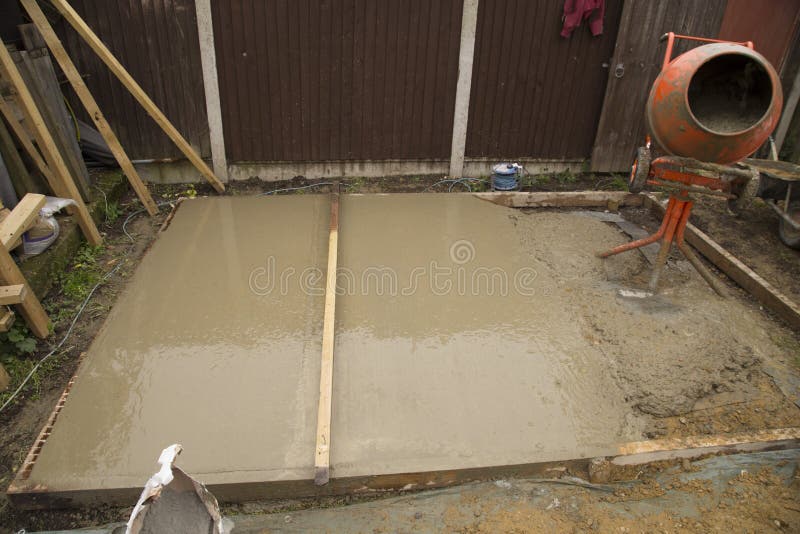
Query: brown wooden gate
(637, 60)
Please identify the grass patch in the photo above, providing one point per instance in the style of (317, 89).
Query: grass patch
(85, 273)
(18, 344)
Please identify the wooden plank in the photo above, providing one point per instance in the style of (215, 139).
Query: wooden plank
(31, 38)
(89, 103)
(740, 273)
(62, 184)
(569, 199)
(12, 294)
(71, 16)
(25, 140)
(323, 448)
(20, 219)
(21, 179)
(642, 452)
(40, 78)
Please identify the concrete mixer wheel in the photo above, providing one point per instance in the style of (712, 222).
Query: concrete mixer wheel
(640, 170)
(789, 235)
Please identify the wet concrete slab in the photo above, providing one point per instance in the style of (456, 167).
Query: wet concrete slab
(452, 349)
(191, 355)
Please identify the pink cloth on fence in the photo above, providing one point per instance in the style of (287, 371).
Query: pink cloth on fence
(576, 11)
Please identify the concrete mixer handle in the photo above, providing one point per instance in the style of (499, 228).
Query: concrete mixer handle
(671, 36)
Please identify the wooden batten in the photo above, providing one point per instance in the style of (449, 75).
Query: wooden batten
(567, 199)
(12, 294)
(21, 218)
(323, 447)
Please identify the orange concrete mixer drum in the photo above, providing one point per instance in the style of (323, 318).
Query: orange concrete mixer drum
(716, 103)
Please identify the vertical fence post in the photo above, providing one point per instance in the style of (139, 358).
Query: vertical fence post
(469, 21)
(208, 58)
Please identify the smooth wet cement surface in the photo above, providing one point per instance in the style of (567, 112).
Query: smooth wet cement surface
(452, 349)
(191, 355)
(469, 360)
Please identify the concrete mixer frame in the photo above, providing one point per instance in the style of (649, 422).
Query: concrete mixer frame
(671, 36)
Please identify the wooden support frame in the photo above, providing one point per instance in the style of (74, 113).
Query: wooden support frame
(105, 55)
(11, 229)
(89, 103)
(322, 456)
(61, 183)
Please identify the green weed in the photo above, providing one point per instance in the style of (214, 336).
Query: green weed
(85, 273)
(618, 183)
(566, 177)
(112, 212)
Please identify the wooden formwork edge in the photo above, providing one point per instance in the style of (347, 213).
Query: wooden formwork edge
(635, 453)
(611, 200)
(642, 452)
(740, 273)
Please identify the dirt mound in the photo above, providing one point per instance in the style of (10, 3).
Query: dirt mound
(666, 351)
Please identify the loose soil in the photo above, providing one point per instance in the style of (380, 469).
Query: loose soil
(753, 238)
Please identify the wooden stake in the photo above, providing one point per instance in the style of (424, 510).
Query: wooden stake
(71, 16)
(5, 380)
(322, 460)
(62, 183)
(89, 103)
(16, 290)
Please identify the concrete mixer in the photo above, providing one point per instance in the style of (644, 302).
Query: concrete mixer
(708, 109)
